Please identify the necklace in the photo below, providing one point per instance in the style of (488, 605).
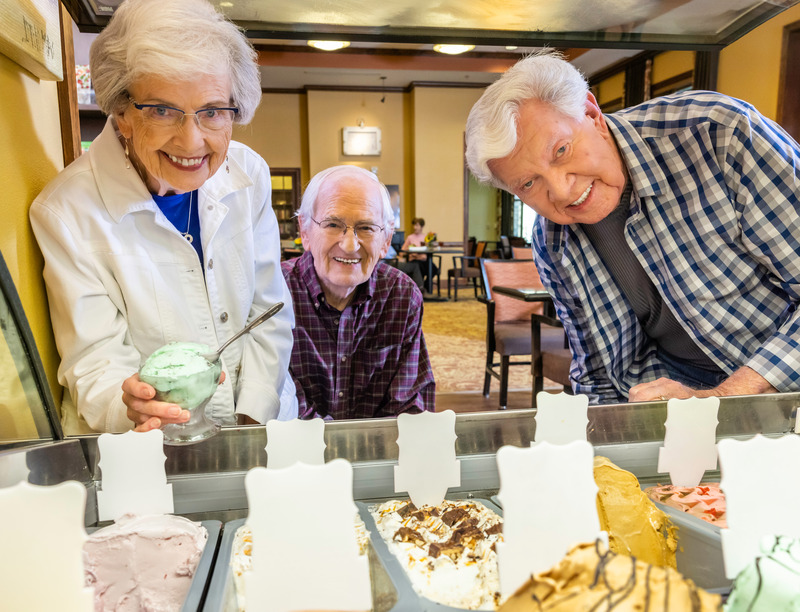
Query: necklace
(186, 234)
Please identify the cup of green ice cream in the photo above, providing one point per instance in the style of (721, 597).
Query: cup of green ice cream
(181, 375)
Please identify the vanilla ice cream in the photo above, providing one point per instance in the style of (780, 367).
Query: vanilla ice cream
(447, 551)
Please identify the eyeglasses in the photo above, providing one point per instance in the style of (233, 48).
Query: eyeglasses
(336, 228)
(210, 119)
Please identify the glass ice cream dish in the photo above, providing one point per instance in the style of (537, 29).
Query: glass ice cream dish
(181, 375)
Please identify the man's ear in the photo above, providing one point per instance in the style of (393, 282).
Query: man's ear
(386, 245)
(593, 112)
(304, 237)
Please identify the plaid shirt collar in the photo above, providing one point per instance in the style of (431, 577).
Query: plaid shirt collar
(305, 266)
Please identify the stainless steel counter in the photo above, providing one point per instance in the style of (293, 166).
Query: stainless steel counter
(208, 478)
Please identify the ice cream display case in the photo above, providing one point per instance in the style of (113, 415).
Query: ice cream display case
(208, 478)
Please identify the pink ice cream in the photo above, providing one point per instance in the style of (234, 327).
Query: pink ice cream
(143, 562)
(706, 501)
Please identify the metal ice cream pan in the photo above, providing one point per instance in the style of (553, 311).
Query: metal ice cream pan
(222, 594)
(194, 598)
(408, 600)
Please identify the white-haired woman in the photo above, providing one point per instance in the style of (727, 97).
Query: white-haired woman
(164, 231)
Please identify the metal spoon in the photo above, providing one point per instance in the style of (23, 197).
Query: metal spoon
(214, 357)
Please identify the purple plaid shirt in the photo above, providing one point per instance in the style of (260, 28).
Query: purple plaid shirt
(369, 360)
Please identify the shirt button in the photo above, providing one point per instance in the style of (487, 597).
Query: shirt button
(210, 207)
(223, 317)
(341, 393)
(336, 320)
(344, 359)
(210, 264)
(316, 305)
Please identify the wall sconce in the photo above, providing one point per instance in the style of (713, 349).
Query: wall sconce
(361, 140)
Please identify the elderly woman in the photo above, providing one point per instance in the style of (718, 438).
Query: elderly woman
(164, 231)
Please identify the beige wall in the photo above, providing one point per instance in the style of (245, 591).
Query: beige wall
(278, 132)
(30, 155)
(750, 68)
(440, 115)
(330, 111)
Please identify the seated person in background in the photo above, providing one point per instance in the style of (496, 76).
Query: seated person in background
(668, 233)
(409, 267)
(359, 351)
(417, 239)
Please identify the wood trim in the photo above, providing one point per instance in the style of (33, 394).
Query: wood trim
(706, 67)
(620, 66)
(788, 93)
(68, 94)
(666, 83)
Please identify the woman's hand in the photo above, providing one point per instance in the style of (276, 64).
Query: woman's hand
(145, 412)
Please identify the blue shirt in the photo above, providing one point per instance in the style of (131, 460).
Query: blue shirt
(181, 210)
(714, 220)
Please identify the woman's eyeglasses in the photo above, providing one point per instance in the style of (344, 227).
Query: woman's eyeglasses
(210, 119)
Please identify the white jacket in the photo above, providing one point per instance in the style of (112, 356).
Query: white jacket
(122, 281)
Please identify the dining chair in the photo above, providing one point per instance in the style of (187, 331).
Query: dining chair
(549, 359)
(504, 248)
(508, 321)
(521, 253)
(466, 266)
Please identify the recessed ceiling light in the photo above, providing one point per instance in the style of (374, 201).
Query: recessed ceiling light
(328, 45)
(226, 4)
(453, 49)
(511, 48)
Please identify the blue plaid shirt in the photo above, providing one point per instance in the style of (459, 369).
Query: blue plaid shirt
(715, 222)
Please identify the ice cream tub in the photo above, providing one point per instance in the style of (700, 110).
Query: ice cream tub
(409, 597)
(221, 597)
(194, 597)
(699, 554)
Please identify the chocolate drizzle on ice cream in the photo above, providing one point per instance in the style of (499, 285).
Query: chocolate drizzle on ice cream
(591, 577)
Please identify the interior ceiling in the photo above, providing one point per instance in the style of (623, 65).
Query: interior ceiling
(392, 42)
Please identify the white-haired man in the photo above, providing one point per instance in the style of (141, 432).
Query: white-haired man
(668, 233)
(358, 350)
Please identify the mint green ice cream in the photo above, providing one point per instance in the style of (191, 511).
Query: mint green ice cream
(772, 581)
(180, 374)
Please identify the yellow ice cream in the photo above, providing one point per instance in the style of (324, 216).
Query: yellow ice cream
(635, 526)
(593, 578)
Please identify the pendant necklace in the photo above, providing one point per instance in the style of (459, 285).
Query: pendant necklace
(186, 234)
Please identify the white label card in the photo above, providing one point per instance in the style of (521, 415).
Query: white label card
(690, 441)
(134, 480)
(762, 494)
(427, 464)
(291, 441)
(549, 500)
(42, 535)
(302, 518)
(560, 418)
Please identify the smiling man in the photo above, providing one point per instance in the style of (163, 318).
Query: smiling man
(668, 233)
(359, 351)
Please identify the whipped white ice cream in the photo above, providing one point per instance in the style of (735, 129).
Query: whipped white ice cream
(447, 551)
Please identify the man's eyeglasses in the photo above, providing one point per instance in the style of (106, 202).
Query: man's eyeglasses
(210, 119)
(336, 228)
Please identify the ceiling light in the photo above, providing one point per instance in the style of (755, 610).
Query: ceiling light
(453, 49)
(511, 48)
(226, 4)
(328, 45)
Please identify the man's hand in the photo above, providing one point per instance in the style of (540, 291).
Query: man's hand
(145, 412)
(743, 381)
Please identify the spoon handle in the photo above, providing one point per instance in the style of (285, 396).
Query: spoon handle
(255, 322)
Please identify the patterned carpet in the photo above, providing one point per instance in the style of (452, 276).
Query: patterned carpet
(455, 333)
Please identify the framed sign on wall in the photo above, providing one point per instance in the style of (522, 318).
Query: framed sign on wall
(30, 35)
